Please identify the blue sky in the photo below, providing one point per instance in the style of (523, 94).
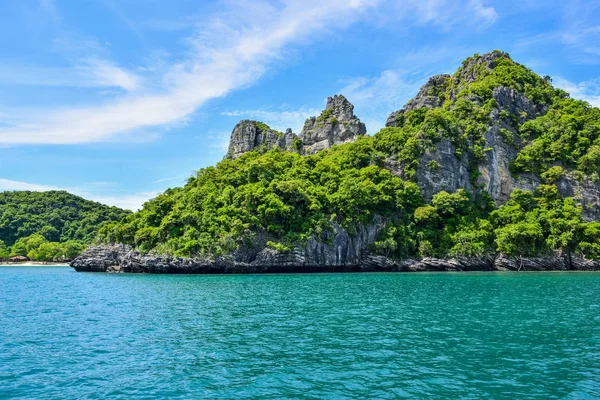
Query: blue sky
(117, 100)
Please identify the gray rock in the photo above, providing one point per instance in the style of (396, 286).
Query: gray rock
(335, 257)
(448, 173)
(431, 94)
(250, 135)
(586, 193)
(336, 125)
(495, 176)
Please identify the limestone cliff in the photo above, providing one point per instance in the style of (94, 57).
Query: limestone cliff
(337, 124)
(248, 135)
(502, 143)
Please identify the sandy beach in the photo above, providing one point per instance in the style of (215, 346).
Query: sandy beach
(33, 264)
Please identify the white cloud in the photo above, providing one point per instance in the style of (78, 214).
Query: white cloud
(127, 201)
(578, 33)
(224, 57)
(587, 90)
(131, 202)
(6, 184)
(91, 72)
(165, 180)
(487, 15)
(232, 50)
(279, 120)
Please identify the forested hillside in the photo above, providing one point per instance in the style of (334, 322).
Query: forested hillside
(50, 225)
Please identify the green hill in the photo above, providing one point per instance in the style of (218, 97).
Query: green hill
(63, 223)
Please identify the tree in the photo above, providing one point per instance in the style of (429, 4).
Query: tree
(4, 252)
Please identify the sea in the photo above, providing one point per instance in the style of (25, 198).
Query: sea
(519, 335)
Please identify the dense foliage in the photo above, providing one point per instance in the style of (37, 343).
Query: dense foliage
(290, 198)
(61, 222)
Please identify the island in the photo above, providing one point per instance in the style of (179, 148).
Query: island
(490, 168)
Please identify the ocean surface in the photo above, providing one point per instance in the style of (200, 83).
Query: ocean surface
(69, 335)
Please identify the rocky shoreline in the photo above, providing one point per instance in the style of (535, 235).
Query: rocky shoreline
(123, 258)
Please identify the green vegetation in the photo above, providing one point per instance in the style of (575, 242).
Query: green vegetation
(36, 247)
(266, 128)
(326, 114)
(290, 198)
(52, 225)
(569, 134)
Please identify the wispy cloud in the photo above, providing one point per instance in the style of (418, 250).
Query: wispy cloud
(217, 142)
(165, 180)
(6, 184)
(132, 201)
(578, 32)
(91, 72)
(234, 51)
(447, 14)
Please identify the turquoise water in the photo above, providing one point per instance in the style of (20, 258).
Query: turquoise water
(68, 335)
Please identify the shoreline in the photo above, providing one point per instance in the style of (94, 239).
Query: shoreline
(124, 259)
(34, 264)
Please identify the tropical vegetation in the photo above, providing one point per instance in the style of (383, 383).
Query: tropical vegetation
(50, 226)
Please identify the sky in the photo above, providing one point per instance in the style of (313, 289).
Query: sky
(118, 100)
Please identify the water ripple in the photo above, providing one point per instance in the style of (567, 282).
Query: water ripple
(74, 335)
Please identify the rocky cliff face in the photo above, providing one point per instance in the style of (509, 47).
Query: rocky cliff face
(248, 135)
(336, 250)
(120, 258)
(428, 96)
(495, 175)
(337, 124)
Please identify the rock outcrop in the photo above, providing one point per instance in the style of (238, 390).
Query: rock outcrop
(249, 135)
(430, 96)
(335, 250)
(120, 258)
(337, 124)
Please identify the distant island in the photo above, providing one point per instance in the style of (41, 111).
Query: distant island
(53, 226)
(491, 168)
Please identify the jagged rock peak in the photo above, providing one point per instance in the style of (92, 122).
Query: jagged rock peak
(337, 124)
(340, 107)
(248, 135)
(431, 94)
